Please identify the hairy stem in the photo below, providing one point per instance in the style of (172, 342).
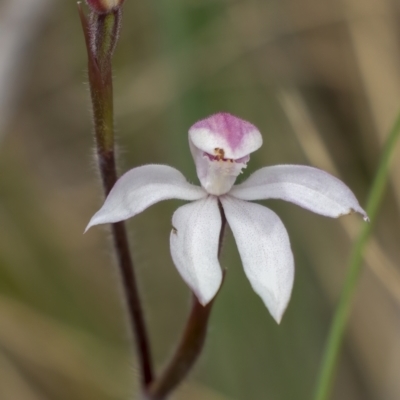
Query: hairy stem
(101, 90)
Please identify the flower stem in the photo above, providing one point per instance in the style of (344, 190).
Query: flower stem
(191, 343)
(223, 226)
(99, 50)
(336, 333)
(186, 354)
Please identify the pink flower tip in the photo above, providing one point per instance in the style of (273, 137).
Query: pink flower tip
(104, 6)
(233, 136)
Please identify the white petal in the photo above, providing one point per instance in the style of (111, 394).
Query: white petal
(194, 246)
(264, 248)
(140, 188)
(308, 187)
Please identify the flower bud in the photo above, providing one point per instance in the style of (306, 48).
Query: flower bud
(104, 6)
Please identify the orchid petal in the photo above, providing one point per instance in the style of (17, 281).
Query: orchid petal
(142, 187)
(308, 187)
(194, 246)
(264, 248)
(225, 134)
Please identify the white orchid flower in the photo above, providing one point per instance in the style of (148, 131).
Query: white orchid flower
(221, 147)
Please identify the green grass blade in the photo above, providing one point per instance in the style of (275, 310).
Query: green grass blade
(336, 333)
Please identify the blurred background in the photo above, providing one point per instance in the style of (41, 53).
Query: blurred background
(320, 79)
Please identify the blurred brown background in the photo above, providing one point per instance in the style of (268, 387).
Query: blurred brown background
(321, 80)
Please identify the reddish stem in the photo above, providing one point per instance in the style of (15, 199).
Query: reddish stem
(101, 90)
